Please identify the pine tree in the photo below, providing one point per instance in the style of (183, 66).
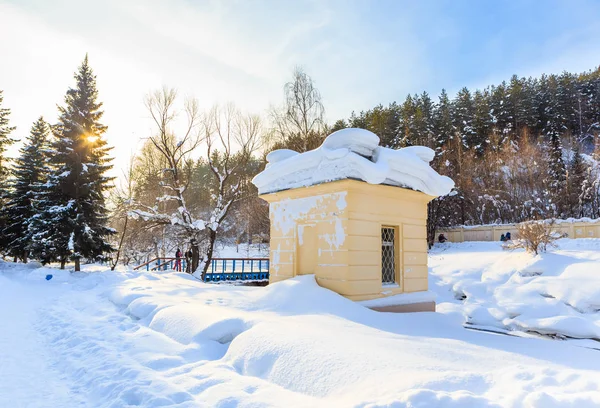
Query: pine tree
(73, 222)
(5, 139)
(444, 130)
(30, 172)
(557, 172)
(5, 142)
(424, 125)
(407, 133)
(338, 125)
(568, 100)
(552, 128)
(589, 103)
(520, 103)
(578, 171)
(500, 111)
(463, 115)
(481, 121)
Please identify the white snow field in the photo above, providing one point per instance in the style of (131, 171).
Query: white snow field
(165, 339)
(555, 293)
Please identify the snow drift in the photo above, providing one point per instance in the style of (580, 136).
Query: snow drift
(157, 339)
(555, 293)
(353, 154)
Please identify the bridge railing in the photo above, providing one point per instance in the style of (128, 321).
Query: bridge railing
(220, 269)
(233, 269)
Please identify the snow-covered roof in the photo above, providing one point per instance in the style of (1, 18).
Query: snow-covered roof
(353, 154)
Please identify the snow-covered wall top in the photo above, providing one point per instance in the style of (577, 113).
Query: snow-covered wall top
(353, 154)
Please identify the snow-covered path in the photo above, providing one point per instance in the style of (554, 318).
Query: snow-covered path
(63, 345)
(27, 375)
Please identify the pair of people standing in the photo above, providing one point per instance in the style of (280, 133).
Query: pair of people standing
(504, 238)
(188, 260)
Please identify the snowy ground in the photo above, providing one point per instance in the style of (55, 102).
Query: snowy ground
(555, 293)
(155, 339)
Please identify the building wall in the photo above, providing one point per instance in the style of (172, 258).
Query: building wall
(579, 229)
(334, 231)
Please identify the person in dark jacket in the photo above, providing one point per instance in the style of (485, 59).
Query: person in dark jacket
(507, 237)
(442, 239)
(502, 238)
(188, 261)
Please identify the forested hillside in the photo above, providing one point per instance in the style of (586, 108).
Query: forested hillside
(517, 150)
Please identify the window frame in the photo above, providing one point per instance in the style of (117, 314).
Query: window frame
(397, 256)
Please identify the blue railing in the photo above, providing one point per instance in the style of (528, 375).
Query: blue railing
(233, 269)
(220, 269)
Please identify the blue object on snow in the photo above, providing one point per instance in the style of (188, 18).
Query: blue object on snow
(48, 277)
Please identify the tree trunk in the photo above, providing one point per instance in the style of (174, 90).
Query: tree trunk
(156, 251)
(212, 237)
(116, 261)
(77, 265)
(62, 263)
(195, 255)
(24, 256)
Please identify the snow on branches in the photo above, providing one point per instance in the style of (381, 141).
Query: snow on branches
(231, 139)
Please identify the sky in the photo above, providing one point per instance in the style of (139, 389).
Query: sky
(359, 53)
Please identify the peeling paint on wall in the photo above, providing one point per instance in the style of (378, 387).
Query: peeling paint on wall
(285, 214)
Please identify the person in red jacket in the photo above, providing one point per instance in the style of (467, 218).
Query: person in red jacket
(178, 260)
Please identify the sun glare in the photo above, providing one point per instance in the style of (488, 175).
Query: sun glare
(92, 138)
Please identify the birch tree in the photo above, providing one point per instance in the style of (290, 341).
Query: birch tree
(299, 124)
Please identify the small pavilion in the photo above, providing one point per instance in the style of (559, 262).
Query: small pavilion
(354, 214)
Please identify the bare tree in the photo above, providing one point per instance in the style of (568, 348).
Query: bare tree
(122, 198)
(231, 139)
(300, 123)
(175, 151)
(535, 236)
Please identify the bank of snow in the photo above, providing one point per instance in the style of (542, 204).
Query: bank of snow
(555, 293)
(149, 339)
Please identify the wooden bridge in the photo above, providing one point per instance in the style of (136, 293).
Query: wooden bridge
(220, 269)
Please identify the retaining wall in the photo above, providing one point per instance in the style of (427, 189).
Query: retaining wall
(574, 229)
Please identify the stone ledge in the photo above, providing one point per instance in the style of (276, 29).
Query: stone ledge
(406, 308)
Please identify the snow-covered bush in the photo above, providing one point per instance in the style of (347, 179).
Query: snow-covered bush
(535, 236)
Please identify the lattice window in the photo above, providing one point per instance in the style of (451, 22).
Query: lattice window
(388, 255)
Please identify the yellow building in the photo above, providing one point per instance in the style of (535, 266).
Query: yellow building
(365, 241)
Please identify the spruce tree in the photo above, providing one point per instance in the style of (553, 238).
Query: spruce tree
(444, 130)
(557, 172)
(5, 142)
(500, 110)
(30, 172)
(463, 115)
(481, 121)
(73, 222)
(5, 139)
(578, 172)
(553, 126)
(407, 132)
(423, 123)
(521, 104)
(589, 103)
